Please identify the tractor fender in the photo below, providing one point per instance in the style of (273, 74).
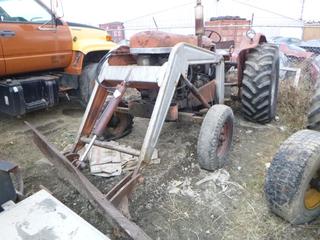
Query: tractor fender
(245, 45)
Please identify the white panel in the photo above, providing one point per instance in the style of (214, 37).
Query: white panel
(41, 216)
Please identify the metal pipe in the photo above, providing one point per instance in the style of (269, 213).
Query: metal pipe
(111, 146)
(199, 22)
(196, 93)
(105, 117)
(84, 155)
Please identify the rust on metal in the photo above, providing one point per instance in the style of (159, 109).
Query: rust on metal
(144, 110)
(207, 91)
(123, 189)
(245, 45)
(111, 146)
(86, 188)
(173, 113)
(224, 139)
(121, 57)
(124, 122)
(107, 114)
(158, 39)
(94, 113)
(196, 93)
(182, 116)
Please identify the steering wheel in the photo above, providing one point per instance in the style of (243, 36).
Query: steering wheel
(214, 36)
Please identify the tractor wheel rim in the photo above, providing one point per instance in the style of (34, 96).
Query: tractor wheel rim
(312, 198)
(224, 139)
(121, 127)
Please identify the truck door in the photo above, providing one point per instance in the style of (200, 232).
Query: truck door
(32, 39)
(2, 63)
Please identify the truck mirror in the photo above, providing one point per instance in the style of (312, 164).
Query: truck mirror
(57, 8)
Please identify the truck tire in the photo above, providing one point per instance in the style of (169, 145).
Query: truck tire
(86, 82)
(260, 84)
(314, 112)
(288, 190)
(215, 137)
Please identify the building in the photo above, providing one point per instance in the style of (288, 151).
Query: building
(311, 31)
(115, 29)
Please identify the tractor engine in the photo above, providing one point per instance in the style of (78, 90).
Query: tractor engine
(152, 48)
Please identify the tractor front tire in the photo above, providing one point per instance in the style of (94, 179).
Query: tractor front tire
(215, 137)
(260, 83)
(288, 185)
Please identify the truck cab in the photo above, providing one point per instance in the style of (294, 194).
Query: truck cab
(42, 56)
(31, 38)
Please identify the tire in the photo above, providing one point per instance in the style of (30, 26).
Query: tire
(87, 82)
(314, 112)
(119, 126)
(260, 84)
(288, 178)
(215, 137)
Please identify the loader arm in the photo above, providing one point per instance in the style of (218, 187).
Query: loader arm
(165, 77)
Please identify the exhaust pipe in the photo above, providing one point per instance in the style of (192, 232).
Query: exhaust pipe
(199, 23)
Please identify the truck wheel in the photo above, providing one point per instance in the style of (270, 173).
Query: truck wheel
(260, 83)
(86, 82)
(215, 137)
(292, 180)
(314, 112)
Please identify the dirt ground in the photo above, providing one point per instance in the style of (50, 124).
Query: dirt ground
(173, 202)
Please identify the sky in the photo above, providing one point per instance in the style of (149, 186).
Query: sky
(179, 14)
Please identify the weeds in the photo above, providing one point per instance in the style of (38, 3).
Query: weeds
(293, 104)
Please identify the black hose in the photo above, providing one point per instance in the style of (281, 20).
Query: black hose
(100, 63)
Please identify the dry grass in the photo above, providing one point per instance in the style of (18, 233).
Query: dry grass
(293, 104)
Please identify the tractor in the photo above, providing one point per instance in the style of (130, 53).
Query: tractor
(199, 91)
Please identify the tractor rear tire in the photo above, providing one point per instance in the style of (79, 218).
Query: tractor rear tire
(287, 185)
(314, 112)
(260, 84)
(215, 137)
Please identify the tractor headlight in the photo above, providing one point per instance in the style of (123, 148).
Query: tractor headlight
(251, 33)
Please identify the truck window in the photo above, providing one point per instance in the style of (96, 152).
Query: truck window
(28, 11)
